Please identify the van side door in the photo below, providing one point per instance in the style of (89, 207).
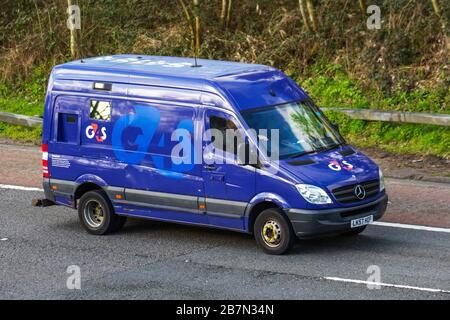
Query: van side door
(158, 177)
(228, 186)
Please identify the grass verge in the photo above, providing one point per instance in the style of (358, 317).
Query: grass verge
(19, 134)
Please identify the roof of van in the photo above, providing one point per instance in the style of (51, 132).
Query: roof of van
(184, 67)
(244, 85)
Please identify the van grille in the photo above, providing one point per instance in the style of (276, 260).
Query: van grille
(347, 194)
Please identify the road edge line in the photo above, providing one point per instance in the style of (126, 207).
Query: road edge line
(389, 285)
(410, 226)
(12, 187)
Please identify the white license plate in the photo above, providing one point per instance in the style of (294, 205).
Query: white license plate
(361, 221)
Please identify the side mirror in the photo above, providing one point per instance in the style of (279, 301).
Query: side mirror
(246, 155)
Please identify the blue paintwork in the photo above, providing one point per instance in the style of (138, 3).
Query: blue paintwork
(152, 96)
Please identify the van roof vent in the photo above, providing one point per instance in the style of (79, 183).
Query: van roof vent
(104, 86)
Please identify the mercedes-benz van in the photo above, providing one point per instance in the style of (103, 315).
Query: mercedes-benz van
(111, 140)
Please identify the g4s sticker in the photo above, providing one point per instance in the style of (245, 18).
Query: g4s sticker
(135, 131)
(336, 166)
(92, 131)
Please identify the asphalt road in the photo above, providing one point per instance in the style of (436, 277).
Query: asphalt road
(153, 260)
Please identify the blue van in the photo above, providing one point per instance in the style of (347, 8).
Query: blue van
(109, 136)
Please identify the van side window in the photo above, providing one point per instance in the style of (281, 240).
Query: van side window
(153, 129)
(100, 110)
(68, 128)
(223, 124)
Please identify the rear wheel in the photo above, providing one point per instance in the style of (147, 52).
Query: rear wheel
(97, 215)
(355, 231)
(273, 232)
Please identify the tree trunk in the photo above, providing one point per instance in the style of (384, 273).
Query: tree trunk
(197, 28)
(436, 8)
(444, 22)
(189, 21)
(223, 11)
(73, 38)
(362, 6)
(312, 15)
(303, 13)
(229, 13)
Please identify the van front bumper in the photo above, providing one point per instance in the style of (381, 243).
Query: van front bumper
(312, 223)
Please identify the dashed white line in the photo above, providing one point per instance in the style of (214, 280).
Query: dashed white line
(381, 284)
(411, 226)
(7, 186)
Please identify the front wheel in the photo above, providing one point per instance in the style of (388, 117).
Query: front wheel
(273, 232)
(97, 215)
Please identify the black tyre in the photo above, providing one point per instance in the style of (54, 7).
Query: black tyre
(355, 231)
(273, 232)
(97, 215)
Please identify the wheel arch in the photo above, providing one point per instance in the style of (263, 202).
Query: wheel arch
(86, 183)
(260, 203)
(83, 188)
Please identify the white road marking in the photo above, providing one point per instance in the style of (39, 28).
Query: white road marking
(3, 239)
(381, 284)
(411, 226)
(7, 186)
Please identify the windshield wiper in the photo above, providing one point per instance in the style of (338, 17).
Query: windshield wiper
(303, 153)
(320, 149)
(331, 147)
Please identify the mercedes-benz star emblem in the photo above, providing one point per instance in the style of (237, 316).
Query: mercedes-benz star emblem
(360, 192)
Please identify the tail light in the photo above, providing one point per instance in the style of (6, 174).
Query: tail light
(45, 172)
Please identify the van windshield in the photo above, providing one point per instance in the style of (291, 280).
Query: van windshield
(303, 128)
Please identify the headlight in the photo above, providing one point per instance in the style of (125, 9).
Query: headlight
(380, 173)
(313, 194)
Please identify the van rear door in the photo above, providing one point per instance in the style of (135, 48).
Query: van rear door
(64, 144)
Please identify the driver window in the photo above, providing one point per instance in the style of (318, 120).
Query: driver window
(229, 131)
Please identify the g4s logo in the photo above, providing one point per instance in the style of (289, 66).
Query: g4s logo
(92, 131)
(336, 166)
(133, 134)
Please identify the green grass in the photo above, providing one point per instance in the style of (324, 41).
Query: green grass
(22, 106)
(20, 134)
(396, 138)
(27, 100)
(21, 103)
(330, 86)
